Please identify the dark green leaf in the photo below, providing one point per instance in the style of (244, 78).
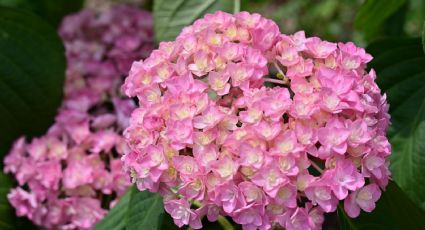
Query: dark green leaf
(6, 211)
(51, 11)
(32, 70)
(423, 37)
(383, 45)
(394, 25)
(408, 158)
(394, 210)
(11, 3)
(401, 75)
(373, 13)
(135, 210)
(392, 51)
(168, 223)
(170, 16)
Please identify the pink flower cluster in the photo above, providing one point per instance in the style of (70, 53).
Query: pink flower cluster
(69, 178)
(208, 133)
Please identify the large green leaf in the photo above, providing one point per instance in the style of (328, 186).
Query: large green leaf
(394, 210)
(135, 210)
(373, 13)
(145, 211)
(32, 70)
(170, 16)
(403, 80)
(51, 11)
(389, 52)
(116, 218)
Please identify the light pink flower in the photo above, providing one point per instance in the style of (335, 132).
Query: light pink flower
(344, 177)
(363, 198)
(181, 213)
(24, 202)
(246, 115)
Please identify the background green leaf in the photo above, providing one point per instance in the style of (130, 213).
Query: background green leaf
(423, 37)
(6, 211)
(400, 66)
(394, 210)
(135, 210)
(32, 71)
(373, 13)
(51, 11)
(170, 16)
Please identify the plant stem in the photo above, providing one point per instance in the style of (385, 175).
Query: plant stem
(316, 166)
(225, 223)
(237, 6)
(278, 68)
(276, 81)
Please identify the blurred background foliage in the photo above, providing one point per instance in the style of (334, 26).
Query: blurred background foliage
(333, 20)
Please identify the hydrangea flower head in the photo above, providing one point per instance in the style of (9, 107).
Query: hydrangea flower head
(266, 128)
(71, 176)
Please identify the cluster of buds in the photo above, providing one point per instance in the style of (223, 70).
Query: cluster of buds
(269, 129)
(71, 176)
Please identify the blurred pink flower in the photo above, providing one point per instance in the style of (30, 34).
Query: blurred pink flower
(67, 175)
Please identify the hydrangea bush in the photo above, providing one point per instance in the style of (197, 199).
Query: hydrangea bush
(239, 120)
(71, 176)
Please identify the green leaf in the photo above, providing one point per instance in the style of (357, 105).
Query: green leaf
(145, 211)
(51, 11)
(423, 37)
(408, 144)
(168, 223)
(6, 211)
(32, 71)
(401, 75)
(390, 51)
(394, 210)
(116, 218)
(170, 16)
(373, 13)
(11, 3)
(135, 210)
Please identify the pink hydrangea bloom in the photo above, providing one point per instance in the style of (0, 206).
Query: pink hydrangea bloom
(282, 155)
(68, 177)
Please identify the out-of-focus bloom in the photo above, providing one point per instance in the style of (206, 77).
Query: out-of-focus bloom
(263, 156)
(67, 177)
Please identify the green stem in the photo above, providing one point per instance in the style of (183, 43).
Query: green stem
(317, 167)
(237, 6)
(225, 224)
